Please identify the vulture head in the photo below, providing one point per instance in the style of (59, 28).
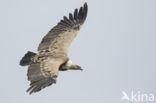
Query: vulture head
(69, 66)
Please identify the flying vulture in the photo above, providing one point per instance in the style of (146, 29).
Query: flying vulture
(44, 66)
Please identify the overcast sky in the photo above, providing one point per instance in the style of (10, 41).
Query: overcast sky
(116, 47)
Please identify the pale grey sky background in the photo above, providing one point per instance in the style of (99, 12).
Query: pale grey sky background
(116, 48)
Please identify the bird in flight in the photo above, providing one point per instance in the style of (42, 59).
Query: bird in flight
(52, 56)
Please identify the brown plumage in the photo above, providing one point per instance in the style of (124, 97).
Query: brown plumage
(52, 52)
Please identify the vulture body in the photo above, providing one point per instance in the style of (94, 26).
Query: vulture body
(52, 52)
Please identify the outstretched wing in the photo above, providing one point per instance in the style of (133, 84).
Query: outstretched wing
(43, 73)
(60, 36)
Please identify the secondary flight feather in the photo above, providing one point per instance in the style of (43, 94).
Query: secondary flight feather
(52, 56)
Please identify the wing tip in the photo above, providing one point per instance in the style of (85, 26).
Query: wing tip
(81, 13)
(40, 84)
(74, 21)
(85, 5)
(76, 18)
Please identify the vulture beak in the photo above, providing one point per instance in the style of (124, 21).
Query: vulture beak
(76, 67)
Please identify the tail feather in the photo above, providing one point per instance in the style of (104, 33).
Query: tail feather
(26, 60)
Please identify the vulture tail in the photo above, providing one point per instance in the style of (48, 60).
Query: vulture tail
(26, 60)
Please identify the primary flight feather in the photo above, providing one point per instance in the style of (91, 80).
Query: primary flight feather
(52, 52)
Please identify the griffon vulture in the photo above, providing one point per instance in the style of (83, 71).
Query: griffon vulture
(52, 52)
